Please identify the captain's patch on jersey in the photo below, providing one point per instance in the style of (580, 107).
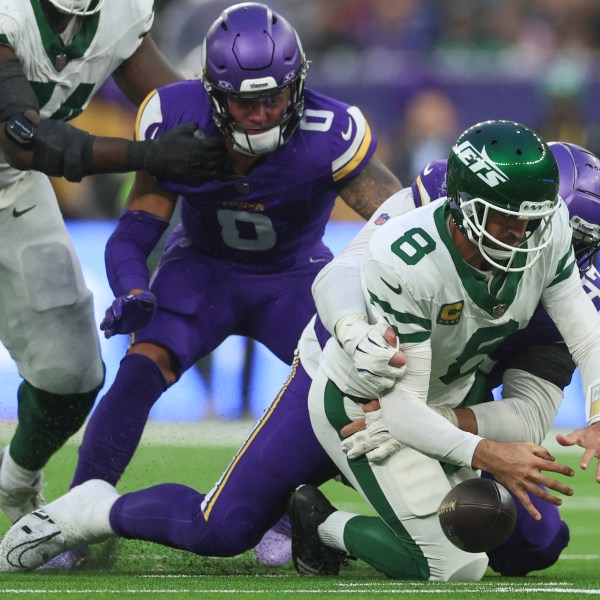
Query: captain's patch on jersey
(450, 313)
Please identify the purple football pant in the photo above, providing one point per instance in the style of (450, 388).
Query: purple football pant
(533, 545)
(280, 453)
(202, 301)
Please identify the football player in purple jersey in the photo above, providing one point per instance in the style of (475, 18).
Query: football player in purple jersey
(253, 491)
(249, 245)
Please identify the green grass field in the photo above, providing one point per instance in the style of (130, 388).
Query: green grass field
(126, 569)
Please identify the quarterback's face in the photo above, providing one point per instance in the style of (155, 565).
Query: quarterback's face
(257, 114)
(505, 228)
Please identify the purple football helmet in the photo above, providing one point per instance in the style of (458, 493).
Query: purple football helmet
(251, 52)
(579, 187)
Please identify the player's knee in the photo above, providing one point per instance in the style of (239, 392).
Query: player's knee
(523, 556)
(460, 566)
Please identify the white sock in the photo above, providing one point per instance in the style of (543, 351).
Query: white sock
(331, 530)
(13, 476)
(83, 513)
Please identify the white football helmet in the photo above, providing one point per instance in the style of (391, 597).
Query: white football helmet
(78, 7)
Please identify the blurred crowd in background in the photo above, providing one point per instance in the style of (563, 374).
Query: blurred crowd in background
(420, 70)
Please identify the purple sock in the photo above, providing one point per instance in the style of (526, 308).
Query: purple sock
(116, 426)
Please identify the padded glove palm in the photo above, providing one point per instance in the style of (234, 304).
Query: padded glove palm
(183, 153)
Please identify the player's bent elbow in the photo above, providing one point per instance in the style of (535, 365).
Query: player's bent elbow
(16, 158)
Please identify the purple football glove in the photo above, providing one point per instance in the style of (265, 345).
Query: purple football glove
(128, 313)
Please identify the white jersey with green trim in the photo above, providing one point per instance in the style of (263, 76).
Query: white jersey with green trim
(66, 76)
(414, 278)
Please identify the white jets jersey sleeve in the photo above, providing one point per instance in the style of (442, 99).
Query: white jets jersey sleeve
(336, 289)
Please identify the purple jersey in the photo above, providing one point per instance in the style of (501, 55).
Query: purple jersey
(279, 210)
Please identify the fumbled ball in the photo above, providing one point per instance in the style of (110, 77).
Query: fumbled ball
(477, 515)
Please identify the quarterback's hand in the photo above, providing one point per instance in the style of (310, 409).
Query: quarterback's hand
(374, 441)
(589, 439)
(518, 466)
(373, 350)
(183, 153)
(358, 440)
(128, 313)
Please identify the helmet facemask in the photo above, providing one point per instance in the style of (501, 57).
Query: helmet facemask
(264, 141)
(82, 8)
(252, 53)
(586, 242)
(473, 215)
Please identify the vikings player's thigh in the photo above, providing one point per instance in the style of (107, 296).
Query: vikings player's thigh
(284, 305)
(280, 453)
(405, 491)
(46, 316)
(203, 300)
(198, 306)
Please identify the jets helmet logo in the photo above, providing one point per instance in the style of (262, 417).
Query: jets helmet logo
(480, 163)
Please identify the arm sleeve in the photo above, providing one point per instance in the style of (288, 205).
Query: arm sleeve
(578, 322)
(528, 407)
(128, 248)
(409, 419)
(337, 288)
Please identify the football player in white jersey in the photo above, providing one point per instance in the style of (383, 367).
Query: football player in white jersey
(54, 56)
(485, 259)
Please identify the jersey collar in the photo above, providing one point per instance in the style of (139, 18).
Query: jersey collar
(504, 286)
(57, 52)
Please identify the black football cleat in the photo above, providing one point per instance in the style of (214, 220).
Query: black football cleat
(309, 508)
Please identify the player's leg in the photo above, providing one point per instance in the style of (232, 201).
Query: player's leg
(279, 454)
(533, 545)
(192, 319)
(47, 324)
(283, 295)
(405, 491)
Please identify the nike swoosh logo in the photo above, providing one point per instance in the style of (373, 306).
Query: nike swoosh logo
(317, 260)
(20, 213)
(396, 290)
(427, 169)
(346, 135)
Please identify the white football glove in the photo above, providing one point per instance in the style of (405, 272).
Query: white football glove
(370, 352)
(375, 441)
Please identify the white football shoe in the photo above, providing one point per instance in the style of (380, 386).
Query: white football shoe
(18, 502)
(78, 518)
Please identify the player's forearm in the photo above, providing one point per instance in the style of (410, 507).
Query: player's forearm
(412, 422)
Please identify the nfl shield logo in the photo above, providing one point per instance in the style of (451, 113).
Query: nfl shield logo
(60, 61)
(382, 218)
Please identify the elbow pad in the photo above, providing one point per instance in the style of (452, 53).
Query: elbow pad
(61, 150)
(16, 93)
(128, 248)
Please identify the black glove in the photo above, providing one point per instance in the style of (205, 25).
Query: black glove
(183, 153)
